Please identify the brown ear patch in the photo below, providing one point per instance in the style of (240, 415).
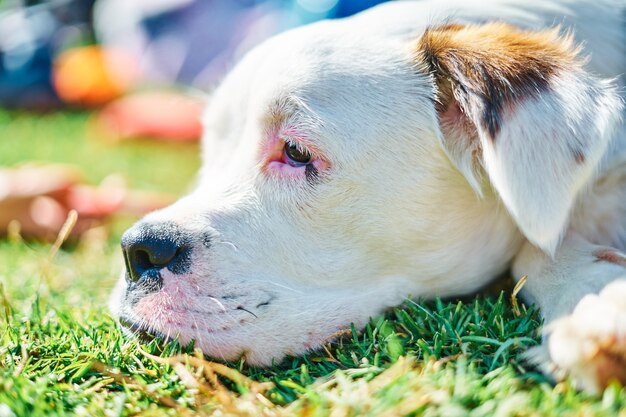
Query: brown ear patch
(488, 68)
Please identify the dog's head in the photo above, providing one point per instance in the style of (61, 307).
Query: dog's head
(345, 171)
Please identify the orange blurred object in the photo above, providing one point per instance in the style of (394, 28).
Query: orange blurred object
(92, 75)
(165, 115)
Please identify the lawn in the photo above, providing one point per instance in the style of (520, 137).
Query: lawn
(62, 354)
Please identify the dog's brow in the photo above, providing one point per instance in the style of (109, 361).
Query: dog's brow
(274, 119)
(279, 111)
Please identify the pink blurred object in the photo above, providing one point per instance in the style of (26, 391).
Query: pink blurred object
(161, 115)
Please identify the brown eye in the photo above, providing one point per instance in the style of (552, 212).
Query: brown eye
(294, 156)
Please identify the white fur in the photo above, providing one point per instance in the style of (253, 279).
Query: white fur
(397, 214)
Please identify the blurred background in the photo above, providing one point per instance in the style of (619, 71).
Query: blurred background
(100, 101)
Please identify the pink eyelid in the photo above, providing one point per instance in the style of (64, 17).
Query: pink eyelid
(273, 157)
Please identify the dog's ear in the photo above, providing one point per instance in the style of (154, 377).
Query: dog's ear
(520, 105)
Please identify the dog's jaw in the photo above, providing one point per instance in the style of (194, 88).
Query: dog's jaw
(260, 323)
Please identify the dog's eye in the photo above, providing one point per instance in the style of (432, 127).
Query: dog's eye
(294, 156)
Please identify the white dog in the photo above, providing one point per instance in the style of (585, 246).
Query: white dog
(417, 149)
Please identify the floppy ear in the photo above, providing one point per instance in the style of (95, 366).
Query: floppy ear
(520, 105)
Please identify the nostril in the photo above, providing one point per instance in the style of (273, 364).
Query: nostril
(159, 254)
(148, 250)
(142, 259)
(150, 254)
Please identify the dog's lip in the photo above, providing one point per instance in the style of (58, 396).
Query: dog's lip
(147, 333)
(142, 332)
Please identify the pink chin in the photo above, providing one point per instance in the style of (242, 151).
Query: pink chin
(175, 292)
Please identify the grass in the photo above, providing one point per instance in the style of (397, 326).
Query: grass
(62, 354)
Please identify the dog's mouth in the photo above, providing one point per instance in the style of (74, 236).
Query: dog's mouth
(143, 332)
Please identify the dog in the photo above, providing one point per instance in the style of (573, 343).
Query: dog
(416, 149)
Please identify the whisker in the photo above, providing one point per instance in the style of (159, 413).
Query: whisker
(278, 285)
(227, 243)
(218, 302)
(247, 311)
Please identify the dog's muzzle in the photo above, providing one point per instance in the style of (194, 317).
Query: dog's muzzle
(149, 248)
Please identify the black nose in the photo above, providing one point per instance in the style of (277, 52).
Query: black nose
(150, 247)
